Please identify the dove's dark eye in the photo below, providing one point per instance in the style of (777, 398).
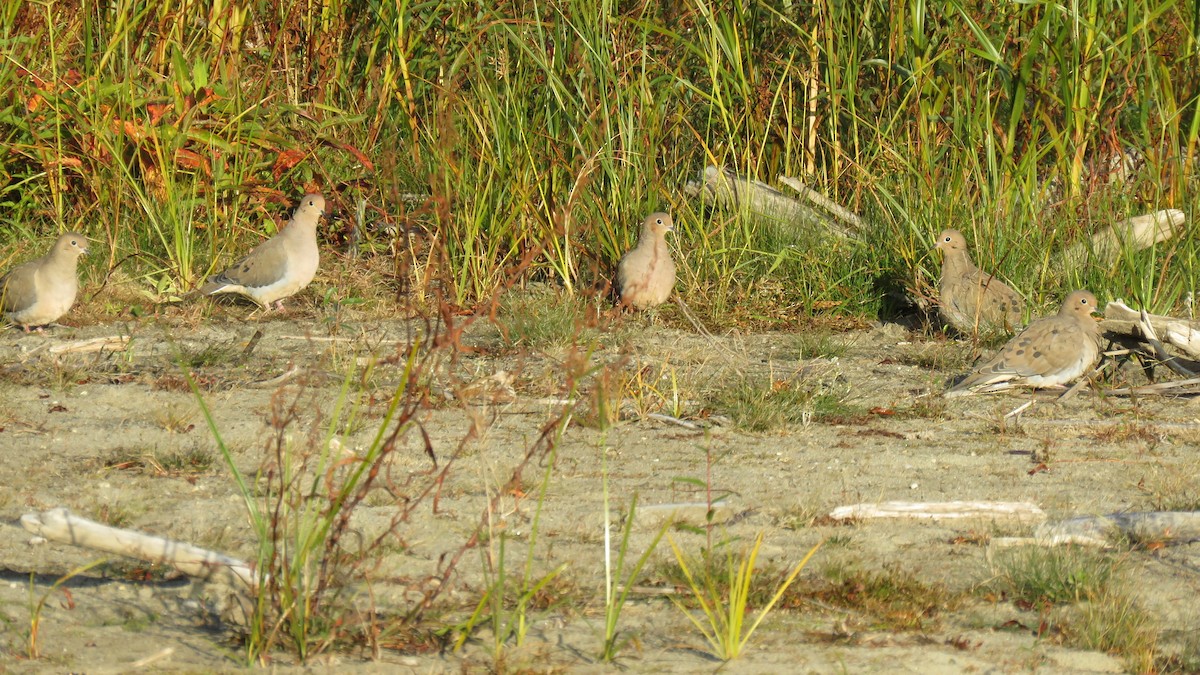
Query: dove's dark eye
(74, 243)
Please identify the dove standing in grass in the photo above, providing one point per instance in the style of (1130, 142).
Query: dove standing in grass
(646, 275)
(279, 267)
(971, 300)
(38, 292)
(1050, 352)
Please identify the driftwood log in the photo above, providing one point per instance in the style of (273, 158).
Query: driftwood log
(62, 526)
(1114, 529)
(724, 187)
(938, 510)
(1178, 332)
(1140, 332)
(1133, 234)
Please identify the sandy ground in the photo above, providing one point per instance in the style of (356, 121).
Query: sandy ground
(70, 423)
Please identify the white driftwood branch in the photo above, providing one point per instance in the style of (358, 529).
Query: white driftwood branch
(733, 191)
(114, 343)
(1188, 387)
(1134, 234)
(938, 510)
(62, 526)
(837, 210)
(1176, 331)
(1168, 527)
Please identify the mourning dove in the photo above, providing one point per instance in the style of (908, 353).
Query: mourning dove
(279, 267)
(971, 300)
(1050, 352)
(646, 275)
(40, 291)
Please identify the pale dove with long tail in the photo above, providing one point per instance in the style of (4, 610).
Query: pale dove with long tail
(1050, 352)
(40, 291)
(279, 267)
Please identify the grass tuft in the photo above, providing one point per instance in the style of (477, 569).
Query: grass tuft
(541, 320)
(755, 405)
(1034, 576)
(889, 600)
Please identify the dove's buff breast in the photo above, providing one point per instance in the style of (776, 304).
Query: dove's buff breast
(46, 309)
(651, 287)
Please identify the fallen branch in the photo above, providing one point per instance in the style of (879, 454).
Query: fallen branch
(62, 526)
(837, 210)
(1135, 234)
(1188, 387)
(114, 343)
(938, 510)
(1150, 527)
(1178, 332)
(1151, 338)
(733, 191)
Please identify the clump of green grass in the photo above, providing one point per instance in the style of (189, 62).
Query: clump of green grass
(755, 405)
(891, 599)
(542, 320)
(725, 586)
(1117, 624)
(923, 407)
(186, 463)
(820, 345)
(799, 516)
(1100, 614)
(113, 514)
(951, 357)
(1035, 576)
(208, 356)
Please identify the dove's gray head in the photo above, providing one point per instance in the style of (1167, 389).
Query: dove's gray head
(70, 246)
(657, 225)
(951, 240)
(1079, 303)
(311, 205)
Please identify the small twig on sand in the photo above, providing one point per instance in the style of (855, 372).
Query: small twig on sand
(245, 355)
(277, 380)
(674, 420)
(1019, 409)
